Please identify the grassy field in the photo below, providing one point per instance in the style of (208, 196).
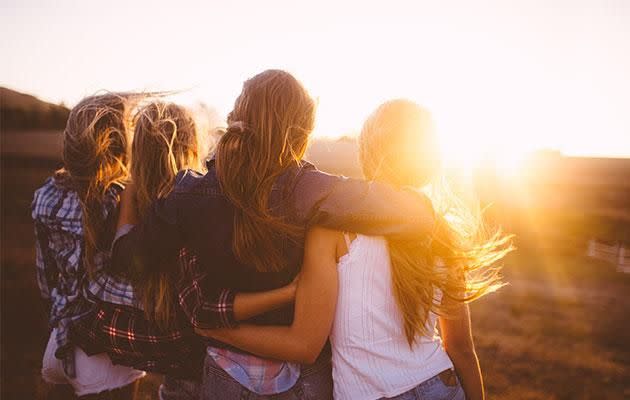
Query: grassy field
(560, 330)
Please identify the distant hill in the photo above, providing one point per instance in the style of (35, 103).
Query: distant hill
(340, 156)
(23, 112)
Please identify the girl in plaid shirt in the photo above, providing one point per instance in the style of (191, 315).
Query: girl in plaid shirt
(74, 214)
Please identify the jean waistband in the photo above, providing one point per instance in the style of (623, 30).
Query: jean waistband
(322, 362)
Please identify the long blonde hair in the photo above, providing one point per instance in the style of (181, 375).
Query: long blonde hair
(398, 146)
(95, 157)
(267, 133)
(165, 142)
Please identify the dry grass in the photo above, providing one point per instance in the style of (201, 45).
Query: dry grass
(558, 331)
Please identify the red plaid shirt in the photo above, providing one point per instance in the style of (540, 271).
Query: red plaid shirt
(131, 339)
(201, 313)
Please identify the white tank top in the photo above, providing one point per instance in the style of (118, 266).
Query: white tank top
(371, 357)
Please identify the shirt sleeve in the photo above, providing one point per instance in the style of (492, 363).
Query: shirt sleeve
(154, 242)
(354, 205)
(46, 265)
(206, 307)
(133, 340)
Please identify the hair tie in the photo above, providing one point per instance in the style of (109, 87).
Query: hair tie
(237, 128)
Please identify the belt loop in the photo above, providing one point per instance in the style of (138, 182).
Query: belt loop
(448, 377)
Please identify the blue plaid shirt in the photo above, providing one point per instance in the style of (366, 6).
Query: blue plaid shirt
(61, 276)
(113, 288)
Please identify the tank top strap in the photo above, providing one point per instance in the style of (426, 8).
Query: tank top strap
(346, 236)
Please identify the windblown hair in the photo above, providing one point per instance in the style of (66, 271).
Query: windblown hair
(398, 146)
(95, 157)
(165, 142)
(267, 133)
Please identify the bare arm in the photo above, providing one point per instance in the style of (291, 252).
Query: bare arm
(248, 305)
(315, 304)
(127, 210)
(459, 345)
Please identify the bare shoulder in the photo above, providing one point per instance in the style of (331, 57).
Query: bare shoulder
(328, 242)
(322, 234)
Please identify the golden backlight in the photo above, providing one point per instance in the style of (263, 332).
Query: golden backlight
(464, 147)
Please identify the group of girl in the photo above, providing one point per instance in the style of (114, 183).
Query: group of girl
(298, 284)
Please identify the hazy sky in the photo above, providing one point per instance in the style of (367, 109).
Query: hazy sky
(500, 76)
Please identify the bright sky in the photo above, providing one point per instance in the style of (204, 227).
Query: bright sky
(500, 78)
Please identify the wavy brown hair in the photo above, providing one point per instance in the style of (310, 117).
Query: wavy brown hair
(398, 146)
(267, 133)
(95, 157)
(165, 142)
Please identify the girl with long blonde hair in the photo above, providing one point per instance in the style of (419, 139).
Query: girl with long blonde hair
(380, 298)
(165, 142)
(75, 216)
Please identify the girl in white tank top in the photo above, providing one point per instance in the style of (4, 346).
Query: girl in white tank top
(371, 356)
(378, 298)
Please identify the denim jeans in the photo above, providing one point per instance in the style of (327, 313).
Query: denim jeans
(315, 383)
(179, 389)
(435, 388)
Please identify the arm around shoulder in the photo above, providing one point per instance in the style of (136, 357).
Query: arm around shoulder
(355, 205)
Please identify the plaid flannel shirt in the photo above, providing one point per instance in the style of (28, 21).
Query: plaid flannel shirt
(117, 325)
(204, 310)
(259, 375)
(57, 215)
(111, 289)
(130, 339)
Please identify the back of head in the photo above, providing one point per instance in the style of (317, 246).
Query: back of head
(95, 157)
(398, 146)
(267, 133)
(165, 142)
(96, 139)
